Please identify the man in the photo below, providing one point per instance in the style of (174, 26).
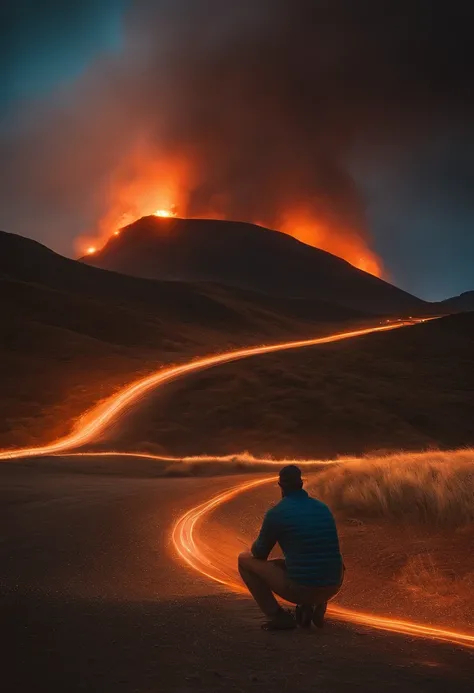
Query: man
(312, 570)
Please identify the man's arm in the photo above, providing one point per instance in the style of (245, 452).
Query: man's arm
(267, 538)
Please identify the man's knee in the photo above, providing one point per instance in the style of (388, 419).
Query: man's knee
(245, 560)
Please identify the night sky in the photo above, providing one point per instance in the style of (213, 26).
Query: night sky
(359, 114)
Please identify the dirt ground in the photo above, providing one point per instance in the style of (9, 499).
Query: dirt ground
(94, 600)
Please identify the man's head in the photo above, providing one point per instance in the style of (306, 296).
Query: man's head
(290, 479)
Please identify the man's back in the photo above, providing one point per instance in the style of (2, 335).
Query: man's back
(306, 531)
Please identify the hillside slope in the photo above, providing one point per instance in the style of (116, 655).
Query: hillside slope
(407, 389)
(247, 256)
(457, 304)
(74, 333)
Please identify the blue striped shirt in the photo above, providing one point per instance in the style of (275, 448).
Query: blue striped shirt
(306, 531)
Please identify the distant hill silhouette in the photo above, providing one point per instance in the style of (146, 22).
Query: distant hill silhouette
(248, 256)
(458, 304)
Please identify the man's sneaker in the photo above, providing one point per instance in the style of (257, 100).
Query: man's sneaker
(318, 614)
(304, 614)
(283, 620)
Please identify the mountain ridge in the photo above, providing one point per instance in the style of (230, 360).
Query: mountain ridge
(26, 260)
(247, 256)
(458, 304)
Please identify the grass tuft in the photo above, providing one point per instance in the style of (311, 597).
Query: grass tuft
(431, 488)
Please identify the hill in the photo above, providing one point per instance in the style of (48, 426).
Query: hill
(74, 333)
(457, 304)
(407, 389)
(250, 257)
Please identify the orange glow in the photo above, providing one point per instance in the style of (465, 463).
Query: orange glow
(94, 422)
(348, 245)
(185, 539)
(91, 250)
(141, 187)
(144, 186)
(164, 213)
(267, 461)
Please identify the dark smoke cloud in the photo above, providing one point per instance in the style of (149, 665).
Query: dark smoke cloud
(272, 100)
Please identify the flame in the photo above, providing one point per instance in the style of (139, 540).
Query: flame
(91, 250)
(140, 187)
(346, 244)
(164, 213)
(145, 187)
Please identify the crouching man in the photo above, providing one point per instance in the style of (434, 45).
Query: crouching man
(311, 572)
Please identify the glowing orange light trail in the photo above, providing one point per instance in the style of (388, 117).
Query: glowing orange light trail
(184, 538)
(192, 459)
(94, 422)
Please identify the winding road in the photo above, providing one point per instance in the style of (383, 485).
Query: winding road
(186, 532)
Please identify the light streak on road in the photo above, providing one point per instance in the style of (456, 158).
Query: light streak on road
(245, 460)
(94, 422)
(185, 539)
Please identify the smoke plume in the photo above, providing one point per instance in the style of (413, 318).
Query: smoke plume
(251, 110)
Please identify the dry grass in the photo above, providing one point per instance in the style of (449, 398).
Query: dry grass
(431, 488)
